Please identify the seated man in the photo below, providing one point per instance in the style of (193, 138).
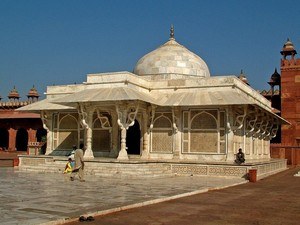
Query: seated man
(240, 157)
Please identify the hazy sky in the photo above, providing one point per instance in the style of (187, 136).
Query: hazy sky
(60, 41)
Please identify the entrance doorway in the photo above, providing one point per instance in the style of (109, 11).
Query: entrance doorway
(22, 140)
(133, 139)
(3, 139)
(41, 136)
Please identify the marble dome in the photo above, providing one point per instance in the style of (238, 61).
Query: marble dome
(171, 58)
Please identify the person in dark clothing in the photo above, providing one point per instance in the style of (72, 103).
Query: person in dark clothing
(240, 157)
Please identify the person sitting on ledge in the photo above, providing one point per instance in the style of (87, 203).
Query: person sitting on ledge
(240, 157)
(70, 165)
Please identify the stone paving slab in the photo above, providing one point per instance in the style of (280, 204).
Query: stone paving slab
(46, 198)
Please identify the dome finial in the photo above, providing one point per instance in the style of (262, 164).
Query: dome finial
(172, 32)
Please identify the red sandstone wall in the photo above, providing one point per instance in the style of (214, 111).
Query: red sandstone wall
(290, 101)
(292, 154)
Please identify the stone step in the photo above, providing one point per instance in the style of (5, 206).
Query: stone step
(104, 169)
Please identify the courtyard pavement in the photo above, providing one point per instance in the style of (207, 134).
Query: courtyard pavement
(37, 198)
(274, 200)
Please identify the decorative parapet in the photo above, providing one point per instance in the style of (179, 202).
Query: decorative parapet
(13, 105)
(290, 64)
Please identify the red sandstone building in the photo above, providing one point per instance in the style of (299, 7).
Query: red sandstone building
(286, 99)
(19, 128)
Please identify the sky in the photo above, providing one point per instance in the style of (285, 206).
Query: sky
(58, 42)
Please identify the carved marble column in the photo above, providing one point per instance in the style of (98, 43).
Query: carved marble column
(123, 153)
(126, 117)
(230, 136)
(115, 131)
(89, 134)
(86, 120)
(145, 151)
(176, 133)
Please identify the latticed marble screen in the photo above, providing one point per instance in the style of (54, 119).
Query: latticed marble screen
(67, 139)
(162, 141)
(203, 121)
(204, 131)
(101, 140)
(162, 122)
(204, 141)
(162, 133)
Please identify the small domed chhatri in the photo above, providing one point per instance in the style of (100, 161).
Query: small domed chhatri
(33, 95)
(33, 92)
(288, 45)
(14, 94)
(171, 58)
(288, 49)
(275, 78)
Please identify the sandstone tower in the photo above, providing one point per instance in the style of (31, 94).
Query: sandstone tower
(290, 95)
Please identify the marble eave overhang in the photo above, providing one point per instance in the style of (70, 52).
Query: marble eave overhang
(110, 88)
(44, 104)
(111, 80)
(220, 90)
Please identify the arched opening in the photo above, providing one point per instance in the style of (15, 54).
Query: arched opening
(22, 140)
(3, 139)
(162, 134)
(133, 139)
(204, 132)
(68, 134)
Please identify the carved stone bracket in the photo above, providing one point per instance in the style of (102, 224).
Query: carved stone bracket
(151, 112)
(126, 117)
(252, 122)
(228, 125)
(44, 118)
(269, 128)
(239, 120)
(104, 120)
(264, 126)
(175, 119)
(274, 130)
(83, 115)
(86, 119)
(259, 123)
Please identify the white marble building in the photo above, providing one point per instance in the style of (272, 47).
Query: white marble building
(168, 108)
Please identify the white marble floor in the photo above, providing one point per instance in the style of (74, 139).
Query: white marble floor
(47, 198)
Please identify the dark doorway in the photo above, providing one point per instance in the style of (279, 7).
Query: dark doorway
(41, 136)
(133, 139)
(22, 140)
(3, 139)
